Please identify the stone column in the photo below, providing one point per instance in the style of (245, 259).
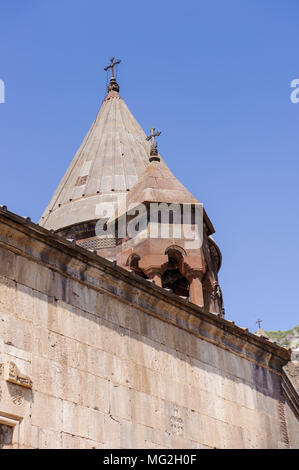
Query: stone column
(154, 266)
(193, 269)
(195, 288)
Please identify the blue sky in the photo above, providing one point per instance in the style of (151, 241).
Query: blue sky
(213, 76)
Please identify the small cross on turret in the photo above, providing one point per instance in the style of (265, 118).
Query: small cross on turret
(154, 146)
(259, 322)
(111, 66)
(113, 85)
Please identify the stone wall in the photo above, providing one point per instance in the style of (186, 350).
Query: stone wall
(92, 356)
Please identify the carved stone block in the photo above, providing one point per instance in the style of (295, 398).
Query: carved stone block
(13, 375)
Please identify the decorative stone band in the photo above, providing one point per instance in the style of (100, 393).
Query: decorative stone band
(97, 243)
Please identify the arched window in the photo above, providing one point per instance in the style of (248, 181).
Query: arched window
(172, 278)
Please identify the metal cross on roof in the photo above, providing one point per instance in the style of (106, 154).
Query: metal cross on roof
(111, 66)
(153, 135)
(259, 322)
(154, 146)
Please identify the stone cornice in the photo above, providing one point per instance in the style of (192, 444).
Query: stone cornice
(21, 236)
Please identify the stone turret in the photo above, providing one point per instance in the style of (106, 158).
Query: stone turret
(172, 245)
(116, 169)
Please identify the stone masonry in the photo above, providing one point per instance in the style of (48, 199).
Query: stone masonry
(93, 356)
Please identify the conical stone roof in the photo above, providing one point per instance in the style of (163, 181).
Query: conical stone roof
(158, 184)
(109, 162)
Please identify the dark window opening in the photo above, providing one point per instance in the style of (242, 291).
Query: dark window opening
(173, 279)
(5, 435)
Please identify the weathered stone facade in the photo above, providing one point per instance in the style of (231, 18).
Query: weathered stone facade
(93, 356)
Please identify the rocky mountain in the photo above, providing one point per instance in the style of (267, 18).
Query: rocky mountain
(289, 339)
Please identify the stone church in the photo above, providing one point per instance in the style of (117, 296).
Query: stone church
(112, 324)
